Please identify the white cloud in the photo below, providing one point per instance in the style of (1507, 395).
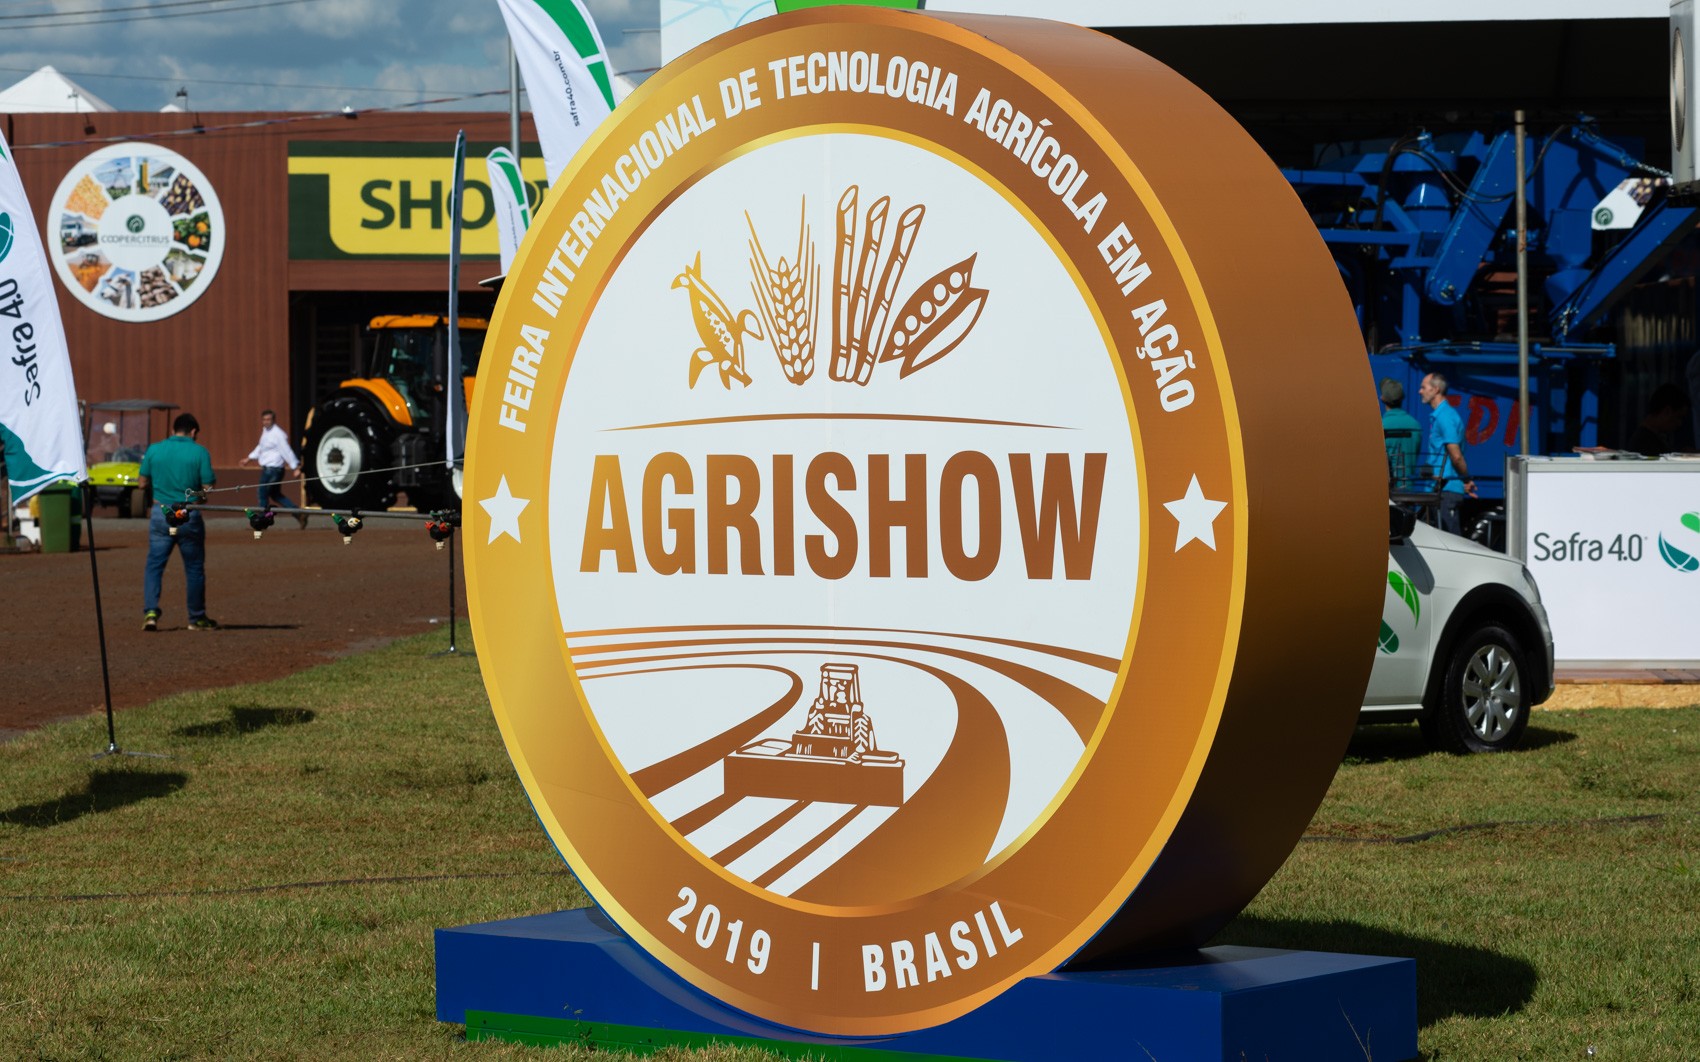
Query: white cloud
(376, 20)
(313, 56)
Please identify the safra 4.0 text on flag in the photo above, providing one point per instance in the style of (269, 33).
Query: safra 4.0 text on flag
(39, 425)
(565, 67)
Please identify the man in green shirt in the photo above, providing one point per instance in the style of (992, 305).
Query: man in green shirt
(178, 469)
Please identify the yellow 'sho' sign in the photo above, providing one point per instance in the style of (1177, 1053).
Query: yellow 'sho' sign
(369, 199)
(891, 553)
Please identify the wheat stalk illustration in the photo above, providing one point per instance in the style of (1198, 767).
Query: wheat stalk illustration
(788, 297)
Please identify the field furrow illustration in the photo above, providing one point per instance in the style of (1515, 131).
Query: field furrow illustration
(830, 753)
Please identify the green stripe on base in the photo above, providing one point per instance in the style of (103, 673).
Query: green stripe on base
(796, 5)
(634, 1039)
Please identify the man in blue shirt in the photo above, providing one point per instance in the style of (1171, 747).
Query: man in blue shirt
(178, 469)
(1443, 452)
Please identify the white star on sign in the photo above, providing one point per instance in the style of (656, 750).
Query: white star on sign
(504, 510)
(1195, 516)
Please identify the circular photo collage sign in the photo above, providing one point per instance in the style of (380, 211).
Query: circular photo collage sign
(140, 232)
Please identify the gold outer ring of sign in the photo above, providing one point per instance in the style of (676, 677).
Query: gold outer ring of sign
(1246, 664)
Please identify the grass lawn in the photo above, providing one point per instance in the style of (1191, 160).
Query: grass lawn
(270, 890)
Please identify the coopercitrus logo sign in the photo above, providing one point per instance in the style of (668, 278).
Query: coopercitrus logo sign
(5, 235)
(141, 234)
(884, 544)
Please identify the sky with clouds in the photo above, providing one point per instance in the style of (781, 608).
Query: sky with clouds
(248, 55)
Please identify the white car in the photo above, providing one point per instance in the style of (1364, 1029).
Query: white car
(1465, 648)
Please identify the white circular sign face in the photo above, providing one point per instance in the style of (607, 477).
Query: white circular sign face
(937, 597)
(140, 230)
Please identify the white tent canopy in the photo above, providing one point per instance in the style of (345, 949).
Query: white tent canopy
(49, 91)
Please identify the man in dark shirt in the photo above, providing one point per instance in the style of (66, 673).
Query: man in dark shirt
(178, 469)
(1666, 411)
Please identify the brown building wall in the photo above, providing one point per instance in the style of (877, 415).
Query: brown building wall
(227, 355)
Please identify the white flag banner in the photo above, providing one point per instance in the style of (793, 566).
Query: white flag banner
(507, 195)
(566, 74)
(39, 425)
(456, 433)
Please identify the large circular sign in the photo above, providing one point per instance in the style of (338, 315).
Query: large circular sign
(924, 514)
(140, 232)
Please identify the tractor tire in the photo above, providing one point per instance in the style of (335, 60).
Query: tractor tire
(135, 502)
(347, 457)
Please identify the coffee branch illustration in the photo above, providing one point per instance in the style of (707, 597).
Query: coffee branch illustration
(933, 321)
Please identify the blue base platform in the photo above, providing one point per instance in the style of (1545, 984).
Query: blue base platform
(573, 975)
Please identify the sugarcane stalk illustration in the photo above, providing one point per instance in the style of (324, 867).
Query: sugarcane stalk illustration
(843, 278)
(872, 335)
(873, 238)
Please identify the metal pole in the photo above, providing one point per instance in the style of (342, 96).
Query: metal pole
(453, 649)
(112, 748)
(6, 540)
(452, 593)
(99, 616)
(1522, 293)
(513, 101)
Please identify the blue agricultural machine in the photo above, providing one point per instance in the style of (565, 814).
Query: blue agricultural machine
(1424, 233)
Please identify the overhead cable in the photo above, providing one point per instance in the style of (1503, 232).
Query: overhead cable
(81, 19)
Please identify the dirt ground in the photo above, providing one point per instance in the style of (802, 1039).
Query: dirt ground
(287, 602)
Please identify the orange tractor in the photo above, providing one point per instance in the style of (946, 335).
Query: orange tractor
(384, 432)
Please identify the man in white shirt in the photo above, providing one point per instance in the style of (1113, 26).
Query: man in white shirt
(274, 454)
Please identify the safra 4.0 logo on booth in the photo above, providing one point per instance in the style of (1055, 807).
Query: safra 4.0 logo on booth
(1623, 547)
(141, 233)
(1676, 558)
(858, 520)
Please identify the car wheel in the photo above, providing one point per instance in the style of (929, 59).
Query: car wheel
(1483, 701)
(347, 458)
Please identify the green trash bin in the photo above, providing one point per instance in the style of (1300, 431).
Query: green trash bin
(61, 518)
